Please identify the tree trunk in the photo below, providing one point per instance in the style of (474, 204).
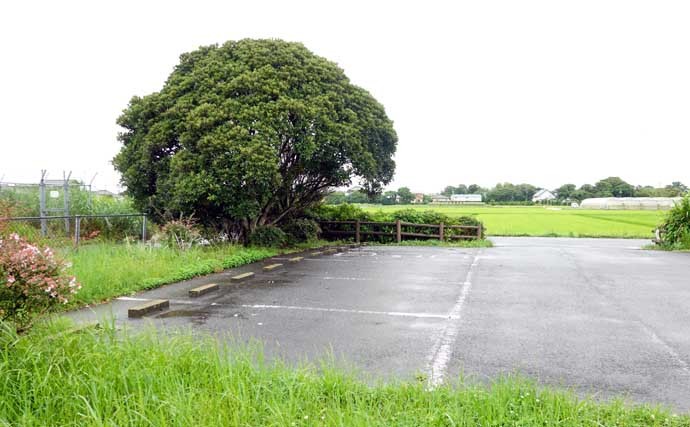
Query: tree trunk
(247, 230)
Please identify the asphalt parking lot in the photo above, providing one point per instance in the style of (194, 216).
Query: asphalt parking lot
(597, 315)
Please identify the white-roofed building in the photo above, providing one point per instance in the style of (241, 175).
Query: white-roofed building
(543, 195)
(471, 198)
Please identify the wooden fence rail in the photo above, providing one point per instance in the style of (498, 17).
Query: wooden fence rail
(372, 228)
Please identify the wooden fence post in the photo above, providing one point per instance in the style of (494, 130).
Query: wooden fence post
(357, 229)
(440, 232)
(398, 231)
(480, 231)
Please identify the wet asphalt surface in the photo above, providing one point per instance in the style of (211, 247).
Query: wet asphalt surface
(599, 316)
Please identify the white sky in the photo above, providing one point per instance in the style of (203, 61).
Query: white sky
(544, 92)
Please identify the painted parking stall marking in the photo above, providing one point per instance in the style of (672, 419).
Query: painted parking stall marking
(438, 358)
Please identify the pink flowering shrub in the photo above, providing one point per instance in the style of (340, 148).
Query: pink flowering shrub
(32, 280)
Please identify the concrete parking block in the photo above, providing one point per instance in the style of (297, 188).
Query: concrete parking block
(148, 307)
(272, 267)
(241, 277)
(201, 290)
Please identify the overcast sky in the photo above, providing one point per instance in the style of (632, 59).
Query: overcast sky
(544, 92)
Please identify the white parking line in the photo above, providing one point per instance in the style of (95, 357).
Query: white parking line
(323, 309)
(670, 350)
(438, 358)
(344, 310)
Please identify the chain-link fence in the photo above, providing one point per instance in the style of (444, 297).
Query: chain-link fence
(82, 228)
(66, 210)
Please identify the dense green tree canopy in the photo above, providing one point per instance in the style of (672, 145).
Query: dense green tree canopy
(462, 189)
(565, 191)
(508, 192)
(614, 187)
(246, 133)
(405, 196)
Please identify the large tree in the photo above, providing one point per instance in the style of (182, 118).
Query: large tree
(565, 191)
(247, 133)
(508, 192)
(613, 186)
(405, 195)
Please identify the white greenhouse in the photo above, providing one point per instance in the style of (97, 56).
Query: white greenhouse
(632, 203)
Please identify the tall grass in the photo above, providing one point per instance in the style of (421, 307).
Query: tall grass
(106, 270)
(109, 379)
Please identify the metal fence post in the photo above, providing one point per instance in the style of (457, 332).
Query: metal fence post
(440, 231)
(65, 199)
(357, 231)
(398, 231)
(143, 229)
(77, 231)
(42, 204)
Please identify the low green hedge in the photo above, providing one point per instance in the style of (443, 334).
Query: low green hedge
(348, 212)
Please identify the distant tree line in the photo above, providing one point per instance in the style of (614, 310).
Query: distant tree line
(616, 187)
(608, 187)
(508, 193)
(401, 196)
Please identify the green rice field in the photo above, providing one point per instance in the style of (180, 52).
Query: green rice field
(549, 221)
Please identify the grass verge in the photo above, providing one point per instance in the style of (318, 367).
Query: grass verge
(664, 248)
(104, 378)
(108, 270)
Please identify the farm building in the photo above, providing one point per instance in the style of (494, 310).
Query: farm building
(457, 199)
(439, 198)
(632, 203)
(543, 195)
(466, 198)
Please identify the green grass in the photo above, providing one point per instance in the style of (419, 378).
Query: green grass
(107, 270)
(106, 378)
(554, 222)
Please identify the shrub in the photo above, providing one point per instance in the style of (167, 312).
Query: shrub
(676, 226)
(301, 230)
(268, 236)
(470, 220)
(179, 234)
(433, 217)
(32, 280)
(346, 212)
(421, 217)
